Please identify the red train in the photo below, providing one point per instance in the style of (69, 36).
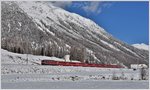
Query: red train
(62, 63)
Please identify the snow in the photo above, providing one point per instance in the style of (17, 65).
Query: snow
(77, 85)
(127, 49)
(50, 32)
(16, 58)
(92, 54)
(25, 71)
(68, 46)
(141, 46)
(16, 73)
(19, 23)
(51, 16)
(41, 76)
(34, 10)
(9, 27)
(111, 46)
(136, 66)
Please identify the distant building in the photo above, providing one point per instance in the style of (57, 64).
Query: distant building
(138, 66)
(67, 58)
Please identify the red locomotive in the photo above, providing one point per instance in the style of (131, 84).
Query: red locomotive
(63, 63)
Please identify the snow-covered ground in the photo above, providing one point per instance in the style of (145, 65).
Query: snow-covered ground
(15, 58)
(103, 84)
(17, 73)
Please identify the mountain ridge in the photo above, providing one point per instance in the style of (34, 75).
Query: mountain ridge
(141, 46)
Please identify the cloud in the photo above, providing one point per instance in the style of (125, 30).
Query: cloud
(107, 5)
(61, 4)
(93, 7)
(89, 7)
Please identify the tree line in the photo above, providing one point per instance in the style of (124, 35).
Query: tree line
(52, 50)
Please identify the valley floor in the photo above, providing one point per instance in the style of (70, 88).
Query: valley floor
(58, 77)
(17, 74)
(100, 84)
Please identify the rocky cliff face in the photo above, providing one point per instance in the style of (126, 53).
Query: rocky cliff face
(41, 28)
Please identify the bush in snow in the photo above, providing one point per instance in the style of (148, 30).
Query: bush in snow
(114, 76)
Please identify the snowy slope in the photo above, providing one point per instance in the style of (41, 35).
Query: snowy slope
(42, 11)
(16, 58)
(43, 29)
(141, 46)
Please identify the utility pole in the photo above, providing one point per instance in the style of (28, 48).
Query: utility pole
(27, 44)
(27, 53)
(27, 59)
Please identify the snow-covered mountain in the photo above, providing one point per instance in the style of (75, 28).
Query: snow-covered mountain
(43, 29)
(141, 46)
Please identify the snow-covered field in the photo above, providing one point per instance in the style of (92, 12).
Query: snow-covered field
(17, 73)
(78, 85)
